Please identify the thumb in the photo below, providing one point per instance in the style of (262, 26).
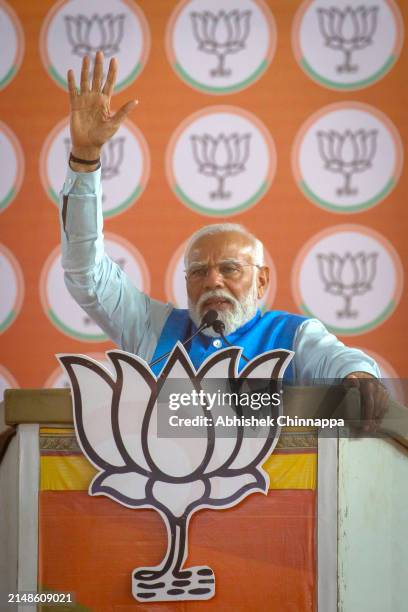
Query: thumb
(124, 110)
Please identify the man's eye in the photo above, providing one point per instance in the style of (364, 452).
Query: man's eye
(229, 269)
(198, 273)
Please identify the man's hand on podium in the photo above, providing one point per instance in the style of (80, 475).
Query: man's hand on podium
(374, 399)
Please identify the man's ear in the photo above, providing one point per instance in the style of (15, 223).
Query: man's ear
(262, 281)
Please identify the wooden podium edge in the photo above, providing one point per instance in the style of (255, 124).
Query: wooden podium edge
(42, 406)
(54, 406)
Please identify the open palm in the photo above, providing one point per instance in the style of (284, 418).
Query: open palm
(92, 122)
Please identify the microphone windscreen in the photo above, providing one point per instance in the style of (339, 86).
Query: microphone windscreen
(209, 318)
(218, 326)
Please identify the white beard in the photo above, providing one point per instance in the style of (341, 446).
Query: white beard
(234, 318)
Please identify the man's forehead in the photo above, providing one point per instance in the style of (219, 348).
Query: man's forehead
(221, 245)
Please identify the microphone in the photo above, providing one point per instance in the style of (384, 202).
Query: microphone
(208, 320)
(219, 327)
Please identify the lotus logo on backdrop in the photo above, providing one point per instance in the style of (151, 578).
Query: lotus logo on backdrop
(88, 35)
(221, 157)
(175, 281)
(347, 154)
(347, 157)
(11, 288)
(348, 31)
(221, 34)
(117, 423)
(73, 29)
(347, 277)
(112, 157)
(11, 167)
(125, 166)
(60, 307)
(12, 44)
(220, 161)
(343, 45)
(350, 277)
(220, 46)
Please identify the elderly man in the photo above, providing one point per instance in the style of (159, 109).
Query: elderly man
(224, 264)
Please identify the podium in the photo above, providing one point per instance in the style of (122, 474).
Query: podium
(343, 499)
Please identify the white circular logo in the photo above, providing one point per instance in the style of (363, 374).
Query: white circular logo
(73, 29)
(350, 277)
(11, 288)
(61, 308)
(12, 44)
(347, 157)
(7, 381)
(175, 283)
(59, 379)
(125, 166)
(12, 166)
(220, 46)
(347, 45)
(220, 161)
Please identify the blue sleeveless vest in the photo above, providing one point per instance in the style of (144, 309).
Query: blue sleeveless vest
(272, 330)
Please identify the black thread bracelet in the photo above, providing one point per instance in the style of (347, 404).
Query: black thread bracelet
(87, 162)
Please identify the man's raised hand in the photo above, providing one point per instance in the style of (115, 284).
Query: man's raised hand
(92, 123)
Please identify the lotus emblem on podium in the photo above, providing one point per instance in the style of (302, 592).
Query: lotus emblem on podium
(117, 428)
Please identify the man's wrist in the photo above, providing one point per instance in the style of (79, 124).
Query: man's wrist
(82, 158)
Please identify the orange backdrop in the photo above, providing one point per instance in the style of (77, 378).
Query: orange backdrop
(282, 98)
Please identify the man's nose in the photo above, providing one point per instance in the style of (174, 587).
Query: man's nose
(214, 279)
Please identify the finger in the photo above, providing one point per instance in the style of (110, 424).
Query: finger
(98, 72)
(111, 78)
(351, 381)
(124, 110)
(381, 404)
(85, 75)
(368, 406)
(72, 89)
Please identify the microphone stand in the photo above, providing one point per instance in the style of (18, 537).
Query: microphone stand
(218, 326)
(208, 321)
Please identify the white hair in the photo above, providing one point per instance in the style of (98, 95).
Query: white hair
(217, 228)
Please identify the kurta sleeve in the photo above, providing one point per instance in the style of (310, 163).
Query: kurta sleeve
(319, 354)
(129, 317)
